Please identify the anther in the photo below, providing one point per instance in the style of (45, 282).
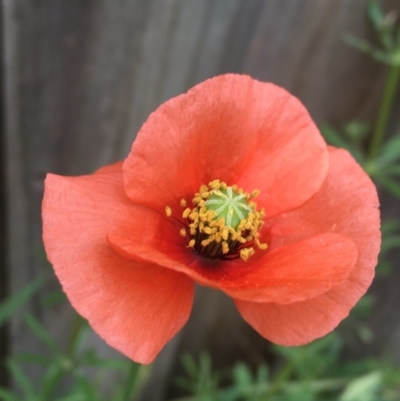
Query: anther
(223, 223)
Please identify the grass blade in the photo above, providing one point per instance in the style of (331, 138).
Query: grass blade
(40, 332)
(10, 305)
(21, 379)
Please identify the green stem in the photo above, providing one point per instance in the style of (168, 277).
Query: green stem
(130, 381)
(73, 339)
(79, 323)
(384, 110)
(282, 377)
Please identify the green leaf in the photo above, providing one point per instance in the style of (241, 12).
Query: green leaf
(86, 387)
(200, 378)
(10, 305)
(41, 333)
(357, 131)
(190, 365)
(242, 376)
(383, 268)
(397, 36)
(301, 392)
(130, 385)
(33, 358)
(390, 152)
(6, 395)
(333, 137)
(21, 379)
(318, 356)
(365, 333)
(363, 308)
(54, 298)
(391, 185)
(50, 380)
(262, 374)
(388, 226)
(393, 170)
(73, 397)
(377, 54)
(384, 25)
(78, 335)
(89, 358)
(375, 14)
(390, 243)
(363, 388)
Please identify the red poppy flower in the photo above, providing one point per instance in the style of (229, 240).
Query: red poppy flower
(129, 242)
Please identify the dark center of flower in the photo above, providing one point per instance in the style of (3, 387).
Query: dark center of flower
(223, 223)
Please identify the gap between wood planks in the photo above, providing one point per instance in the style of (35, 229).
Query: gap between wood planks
(3, 214)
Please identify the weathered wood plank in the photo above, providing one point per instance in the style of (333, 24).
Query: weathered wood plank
(83, 75)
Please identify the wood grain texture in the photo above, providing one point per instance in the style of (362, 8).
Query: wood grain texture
(83, 75)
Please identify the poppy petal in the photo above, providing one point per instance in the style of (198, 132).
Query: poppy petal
(347, 203)
(287, 274)
(297, 323)
(232, 128)
(297, 271)
(135, 306)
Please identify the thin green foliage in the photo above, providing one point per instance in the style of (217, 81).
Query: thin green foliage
(12, 304)
(200, 378)
(41, 333)
(379, 160)
(6, 395)
(390, 241)
(82, 368)
(21, 379)
(314, 372)
(387, 30)
(367, 387)
(350, 137)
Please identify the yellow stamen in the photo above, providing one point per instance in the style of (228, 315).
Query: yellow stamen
(210, 230)
(223, 223)
(186, 213)
(214, 184)
(245, 253)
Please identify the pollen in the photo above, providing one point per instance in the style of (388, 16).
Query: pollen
(245, 253)
(222, 223)
(186, 213)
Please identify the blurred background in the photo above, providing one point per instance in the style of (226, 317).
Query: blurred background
(79, 78)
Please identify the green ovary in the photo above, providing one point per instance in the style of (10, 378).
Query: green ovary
(230, 205)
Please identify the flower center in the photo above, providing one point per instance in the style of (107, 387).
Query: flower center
(224, 222)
